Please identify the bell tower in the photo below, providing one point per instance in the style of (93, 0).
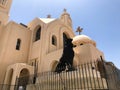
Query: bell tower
(65, 18)
(4, 10)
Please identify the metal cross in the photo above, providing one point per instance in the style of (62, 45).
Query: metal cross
(79, 29)
(65, 10)
(48, 16)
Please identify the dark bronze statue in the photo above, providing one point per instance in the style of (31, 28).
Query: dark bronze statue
(66, 61)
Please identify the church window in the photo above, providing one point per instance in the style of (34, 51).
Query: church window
(37, 35)
(18, 44)
(54, 40)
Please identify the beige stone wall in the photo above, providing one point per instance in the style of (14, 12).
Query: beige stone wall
(42, 48)
(48, 62)
(8, 54)
(35, 46)
(1, 31)
(87, 53)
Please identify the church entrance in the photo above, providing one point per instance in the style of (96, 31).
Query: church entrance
(23, 79)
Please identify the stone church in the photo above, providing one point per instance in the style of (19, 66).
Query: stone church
(39, 43)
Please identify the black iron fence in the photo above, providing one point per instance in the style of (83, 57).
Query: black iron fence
(90, 76)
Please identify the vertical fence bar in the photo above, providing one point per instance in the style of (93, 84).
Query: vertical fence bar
(62, 84)
(49, 73)
(47, 82)
(89, 70)
(68, 80)
(41, 78)
(59, 80)
(106, 77)
(83, 77)
(72, 81)
(71, 87)
(101, 79)
(53, 81)
(112, 74)
(77, 78)
(80, 77)
(87, 80)
(98, 86)
(53, 86)
(103, 74)
(93, 75)
(116, 77)
(65, 81)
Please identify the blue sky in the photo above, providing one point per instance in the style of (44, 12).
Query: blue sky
(99, 18)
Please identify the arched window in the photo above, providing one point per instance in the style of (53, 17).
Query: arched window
(54, 40)
(37, 34)
(65, 37)
(18, 44)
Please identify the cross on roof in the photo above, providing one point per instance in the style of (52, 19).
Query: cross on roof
(79, 29)
(48, 16)
(65, 10)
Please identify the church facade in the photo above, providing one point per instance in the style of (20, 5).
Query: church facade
(38, 44)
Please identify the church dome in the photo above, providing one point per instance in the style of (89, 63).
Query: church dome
(83, 39)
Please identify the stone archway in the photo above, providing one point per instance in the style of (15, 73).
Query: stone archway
(23, 79)
(24, 72)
